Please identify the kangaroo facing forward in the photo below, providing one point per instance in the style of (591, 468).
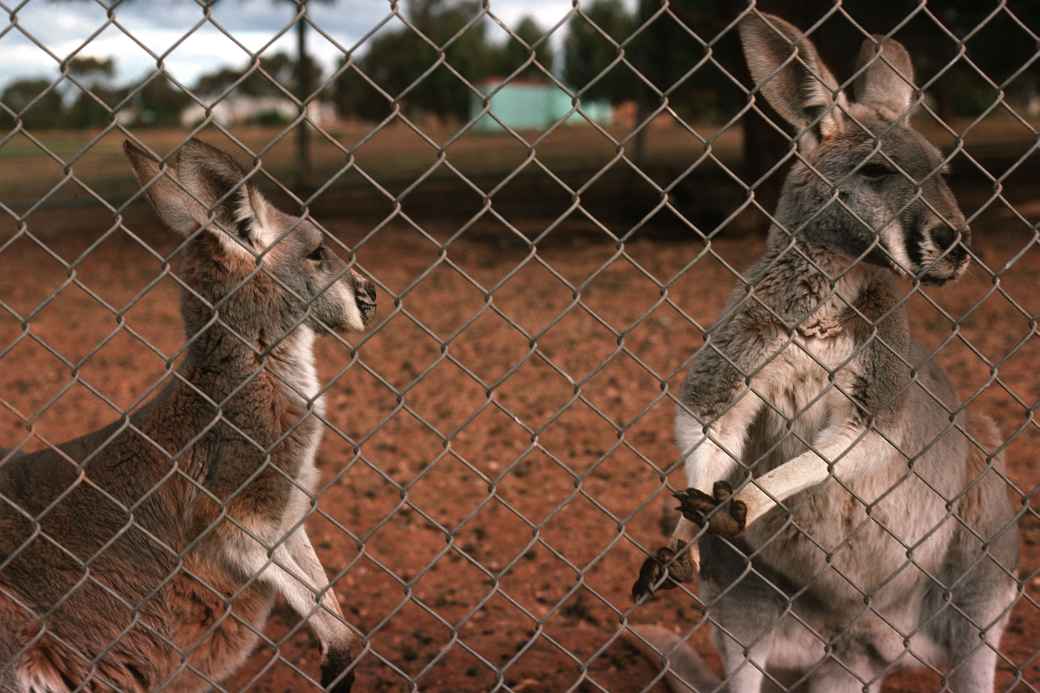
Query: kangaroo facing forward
(870, 529)
(147, 554)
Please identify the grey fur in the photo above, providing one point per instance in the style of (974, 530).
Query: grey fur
(216, 471)
(889, 79)
(865, 474)
(789, 72)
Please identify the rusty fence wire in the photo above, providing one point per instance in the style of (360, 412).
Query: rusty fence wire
(656, 102)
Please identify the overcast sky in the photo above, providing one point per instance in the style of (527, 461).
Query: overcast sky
(63, 27)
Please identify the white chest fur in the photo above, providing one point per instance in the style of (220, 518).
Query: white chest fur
(807, 383)
(291, 364)
(299, 380)
(297, 372)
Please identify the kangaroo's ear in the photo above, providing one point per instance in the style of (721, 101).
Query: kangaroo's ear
(788, 71)
(201, 182)
(886, 77)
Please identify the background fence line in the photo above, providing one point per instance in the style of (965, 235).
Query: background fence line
(517, 390)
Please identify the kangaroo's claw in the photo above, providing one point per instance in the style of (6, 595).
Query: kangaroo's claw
(705, 511)
(334, 675)
(665, 561)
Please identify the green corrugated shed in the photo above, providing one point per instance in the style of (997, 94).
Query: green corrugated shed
(525, 105)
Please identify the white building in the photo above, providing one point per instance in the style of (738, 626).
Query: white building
(233, 110)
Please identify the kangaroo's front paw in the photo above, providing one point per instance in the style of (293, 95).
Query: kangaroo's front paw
(334, 674)
(678, 567)
(697, 507)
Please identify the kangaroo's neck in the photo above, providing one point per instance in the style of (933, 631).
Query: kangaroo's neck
(239, 371)
(244, 345)
(806, 284)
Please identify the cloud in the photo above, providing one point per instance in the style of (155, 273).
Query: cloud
(188, 45)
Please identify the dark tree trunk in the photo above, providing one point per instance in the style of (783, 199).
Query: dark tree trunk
(764, 149)
(303, 86)
(639, 142)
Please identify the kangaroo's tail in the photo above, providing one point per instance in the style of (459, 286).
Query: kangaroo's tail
(685, 671)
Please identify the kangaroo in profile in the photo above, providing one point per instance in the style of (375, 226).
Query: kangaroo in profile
(850, 518)
(146, 555)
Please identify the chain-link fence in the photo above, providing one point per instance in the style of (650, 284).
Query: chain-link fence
(457, 490)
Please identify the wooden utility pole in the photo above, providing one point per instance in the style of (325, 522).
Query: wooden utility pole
(304, 89)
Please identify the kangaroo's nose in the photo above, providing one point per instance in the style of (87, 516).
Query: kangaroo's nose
(945, 236)
(965, 234)
(364, 294)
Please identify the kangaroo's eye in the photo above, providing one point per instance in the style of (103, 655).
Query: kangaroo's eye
(875, 171)
(318, 254)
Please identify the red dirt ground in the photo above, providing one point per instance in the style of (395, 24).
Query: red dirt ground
(540, 453)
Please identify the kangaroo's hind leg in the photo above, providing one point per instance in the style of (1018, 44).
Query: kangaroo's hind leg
(970, 627)
(979, 572)
(972, 631)
(746, 610)
(744, 660)
(842, 678)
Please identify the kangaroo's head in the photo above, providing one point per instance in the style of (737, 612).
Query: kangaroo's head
(260, 272)
(866, 184)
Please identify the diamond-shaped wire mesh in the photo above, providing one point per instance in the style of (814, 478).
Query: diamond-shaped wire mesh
(459, 492)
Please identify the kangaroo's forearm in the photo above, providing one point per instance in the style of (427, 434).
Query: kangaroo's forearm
(844, 453)
(713, 452)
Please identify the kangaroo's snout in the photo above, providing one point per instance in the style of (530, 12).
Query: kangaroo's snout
(948, 257)
(946, 236)
(956, 244)
(364, 296)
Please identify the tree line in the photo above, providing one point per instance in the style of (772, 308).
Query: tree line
(90, 99)
(681, 57)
